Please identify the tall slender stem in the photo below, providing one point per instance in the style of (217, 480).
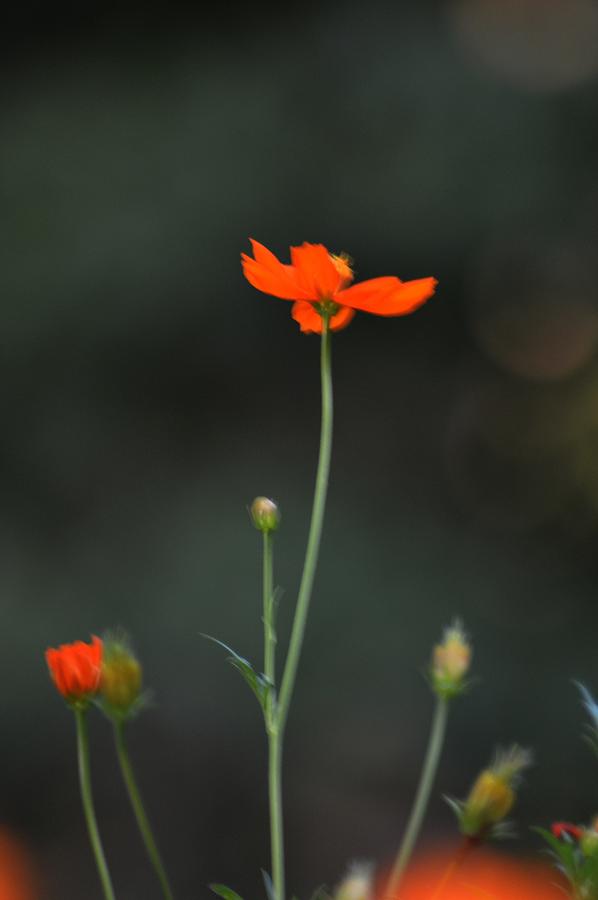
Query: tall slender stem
(457, 861)
(137, 804)
(422, 797)
(268, 616)
(274, 737)
(278, 708)
(276, 819)
(315, 531)
(87, 799)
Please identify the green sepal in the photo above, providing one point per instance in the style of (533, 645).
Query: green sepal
(257, 681)
(116, 714)
(225, 892)
(499, 831)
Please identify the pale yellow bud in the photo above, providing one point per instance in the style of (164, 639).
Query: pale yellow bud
(493, 793)
(589, 840)
(357, 884)
(490, 798)
(450, 662)
(264, 514)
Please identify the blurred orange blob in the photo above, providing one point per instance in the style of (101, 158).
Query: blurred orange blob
(17, 881)
(481, 876)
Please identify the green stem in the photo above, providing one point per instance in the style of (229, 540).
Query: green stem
(274, 737)
(88, 807)
(276, 821)
(268, 618)
(137, 804)
(277, 711)
(422, 797)
(315, 532)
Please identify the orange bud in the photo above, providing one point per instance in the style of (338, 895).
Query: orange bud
(76, 668)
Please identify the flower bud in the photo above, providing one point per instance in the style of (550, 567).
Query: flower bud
(120, 684)
(589, 844)
(493, 793)
(489, 800)
(589, 841)
(75, 670)
(265, 514)
(357, 884)
(450, 662)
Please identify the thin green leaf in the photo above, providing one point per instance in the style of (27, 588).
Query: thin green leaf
(225, 892)
(259, 684)
(564, 851)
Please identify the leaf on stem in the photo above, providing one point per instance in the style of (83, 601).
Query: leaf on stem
(564, 851)
(225, 892)
(257, 681)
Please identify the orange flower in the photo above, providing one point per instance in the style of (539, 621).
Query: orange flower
(320, 283)
(76, 668)
(17, 878)
(485, 876)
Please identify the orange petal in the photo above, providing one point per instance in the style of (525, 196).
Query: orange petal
(315, 271)
(388, 296)
(310, 320)
(18, 879)
(266, 273)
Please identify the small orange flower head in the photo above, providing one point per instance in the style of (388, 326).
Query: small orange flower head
(76, 669)
(567, 831)
(320, 284)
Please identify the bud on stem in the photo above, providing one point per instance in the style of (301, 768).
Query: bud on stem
(265, 514)
(450, 663)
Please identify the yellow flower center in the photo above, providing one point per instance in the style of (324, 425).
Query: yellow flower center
(342, 263)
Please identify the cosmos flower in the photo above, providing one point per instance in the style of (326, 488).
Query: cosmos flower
(320, 284)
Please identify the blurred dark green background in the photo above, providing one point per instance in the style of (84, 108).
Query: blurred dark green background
(148, 393)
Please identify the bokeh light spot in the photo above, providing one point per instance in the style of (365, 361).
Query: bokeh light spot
(534, 308)
(482, 876)
(539, 45)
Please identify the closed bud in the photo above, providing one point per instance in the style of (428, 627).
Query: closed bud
(450, 662)
(589, 841)
(264, 514)
(492, 796)
(357, 884)
(489, 801)
(120, 685)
